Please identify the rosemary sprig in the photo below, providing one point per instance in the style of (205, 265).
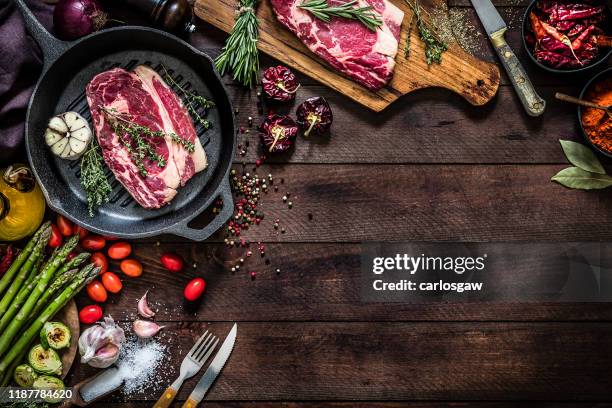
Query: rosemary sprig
(240, 55)
(323, 11)
(192, 99)
(93, 179)
(434, 46)
(135, 139)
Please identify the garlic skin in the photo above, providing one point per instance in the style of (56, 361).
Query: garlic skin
(143, 307)
(68, 135)
(100, 344)
(146, 329)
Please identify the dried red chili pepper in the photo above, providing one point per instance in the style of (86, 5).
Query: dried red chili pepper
(604, 41)
(576, 11)
(578, 42)
(279, 84)
(277, 133)
(314, 116)
(7, 260)
(536, 25)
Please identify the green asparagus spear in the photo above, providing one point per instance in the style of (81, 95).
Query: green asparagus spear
(55, 287)
(7, 278)
(21, 297)
(9, 373)
(45, 277)
(85, 275)
(24, 271)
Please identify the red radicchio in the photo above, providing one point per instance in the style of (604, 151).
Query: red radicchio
(279, 84)
(277, 133)
(314, 116)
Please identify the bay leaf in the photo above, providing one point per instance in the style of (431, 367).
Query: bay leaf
(577, 178)
(582, 156)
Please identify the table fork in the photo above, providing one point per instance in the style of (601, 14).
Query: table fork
(192, 363)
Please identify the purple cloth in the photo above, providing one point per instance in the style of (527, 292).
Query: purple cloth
(20, 64)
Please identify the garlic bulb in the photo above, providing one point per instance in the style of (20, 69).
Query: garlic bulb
(68, 135)
(100, 344)
(145, 329)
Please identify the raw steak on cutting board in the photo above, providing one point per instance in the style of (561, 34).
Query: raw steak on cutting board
(366, 56)
(144, 98)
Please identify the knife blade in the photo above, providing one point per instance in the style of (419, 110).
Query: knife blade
(213, 370)
(496, 28)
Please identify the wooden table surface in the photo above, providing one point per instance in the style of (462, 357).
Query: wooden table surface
(430, 167)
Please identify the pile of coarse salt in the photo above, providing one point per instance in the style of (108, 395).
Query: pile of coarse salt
(137, 369)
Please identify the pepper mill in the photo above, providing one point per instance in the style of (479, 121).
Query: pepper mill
(172, 15)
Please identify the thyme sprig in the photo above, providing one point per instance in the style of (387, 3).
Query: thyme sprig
(93, 178)
(135, 138)
(193, 101)
(434, 45)
(240, 55)
(323, 11)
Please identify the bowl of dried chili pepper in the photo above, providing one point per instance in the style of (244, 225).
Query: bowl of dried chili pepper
(596, 124)
(565, 36)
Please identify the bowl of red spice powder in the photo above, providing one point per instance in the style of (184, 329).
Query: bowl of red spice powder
(596, 124)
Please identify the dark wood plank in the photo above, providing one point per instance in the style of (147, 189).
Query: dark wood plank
(428, 126)
(317, 282)
(402, 361)
(355, 203)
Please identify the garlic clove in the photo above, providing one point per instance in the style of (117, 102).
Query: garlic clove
(52, 137)
(146, 329)
(58, 124)
(143, 307)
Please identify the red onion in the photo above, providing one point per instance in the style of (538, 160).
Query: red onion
(73, 19)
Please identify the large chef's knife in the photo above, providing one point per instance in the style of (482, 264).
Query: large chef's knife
(495, 27)
(213, 370)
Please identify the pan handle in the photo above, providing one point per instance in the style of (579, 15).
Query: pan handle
(182, 229)
(50, 46)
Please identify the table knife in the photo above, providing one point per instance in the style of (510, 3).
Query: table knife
(213, 370)
(496, 28)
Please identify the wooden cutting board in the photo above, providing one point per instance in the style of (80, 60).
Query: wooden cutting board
(476, 80)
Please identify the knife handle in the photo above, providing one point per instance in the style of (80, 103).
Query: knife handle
(166, 399)
(532, 102)
(190, 403)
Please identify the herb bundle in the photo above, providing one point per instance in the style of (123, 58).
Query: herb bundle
(239, 54)
(93, 178)
(323, 11)
(136, 139)
(193, 102)
(434, 45)
(587, 173)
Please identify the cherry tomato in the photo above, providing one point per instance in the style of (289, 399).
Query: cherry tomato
(96, 291)
(172, 262)
(111, 282)
(82, 232)
(90, 314)
(131, 268)
(99, 259)
(64, 225)
(120, 250)
(56, 237)
(93, 242)
(194, 289)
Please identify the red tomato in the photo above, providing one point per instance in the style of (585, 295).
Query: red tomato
(172, 262)
(90, 314)
(64, 225)
(96, 291)
(131, 268)
(93, 242)
(111, 282)
(99, 259)
(194, 289)
(71, 255)
(79, 230)
(120, 250)
(56, 237)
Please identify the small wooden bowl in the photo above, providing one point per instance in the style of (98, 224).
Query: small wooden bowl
(599, 77)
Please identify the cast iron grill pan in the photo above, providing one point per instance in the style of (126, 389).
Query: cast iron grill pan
(67, 70)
